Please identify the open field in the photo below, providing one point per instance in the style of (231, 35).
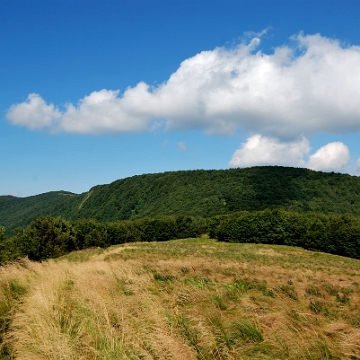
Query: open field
(182, 299)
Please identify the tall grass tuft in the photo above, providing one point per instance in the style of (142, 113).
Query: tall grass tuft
(247, 331)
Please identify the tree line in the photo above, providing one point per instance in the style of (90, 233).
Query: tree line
(49, 237)
(334, 234)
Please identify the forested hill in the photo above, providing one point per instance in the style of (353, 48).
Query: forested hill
(15, 212)
(198, 192)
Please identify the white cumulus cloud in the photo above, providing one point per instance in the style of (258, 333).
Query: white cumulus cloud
(331, 157)
(34, 113)
(104, 111)
(307, 87)
(260, 150)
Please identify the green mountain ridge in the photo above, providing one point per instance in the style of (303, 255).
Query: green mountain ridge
(202, 193)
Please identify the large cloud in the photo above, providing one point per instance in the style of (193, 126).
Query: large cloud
(309, 87)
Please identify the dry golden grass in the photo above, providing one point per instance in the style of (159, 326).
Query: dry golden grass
(183, 299)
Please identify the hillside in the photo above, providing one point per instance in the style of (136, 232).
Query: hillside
(198, 192)
(182, 299)
(15, 212)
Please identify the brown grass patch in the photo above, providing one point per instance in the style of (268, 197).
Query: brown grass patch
(191, 299)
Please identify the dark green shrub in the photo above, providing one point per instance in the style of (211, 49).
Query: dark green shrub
(46, 237)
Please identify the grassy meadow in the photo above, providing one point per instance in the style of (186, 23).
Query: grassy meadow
(182, 299)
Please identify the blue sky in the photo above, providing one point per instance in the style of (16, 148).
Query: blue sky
(94, 91)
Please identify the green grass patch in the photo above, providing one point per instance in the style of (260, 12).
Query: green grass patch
(245, 330)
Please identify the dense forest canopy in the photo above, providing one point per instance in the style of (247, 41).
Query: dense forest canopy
(203, 193)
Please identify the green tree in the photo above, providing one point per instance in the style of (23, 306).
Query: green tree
(46, 237)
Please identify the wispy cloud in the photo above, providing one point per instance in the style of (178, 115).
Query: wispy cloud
(181, 146)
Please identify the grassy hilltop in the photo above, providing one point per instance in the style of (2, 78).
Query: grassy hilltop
(182, 299)
(202, 193)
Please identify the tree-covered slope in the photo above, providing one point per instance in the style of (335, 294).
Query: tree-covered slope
(16, 211)
(199, 192)
(206, 193)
